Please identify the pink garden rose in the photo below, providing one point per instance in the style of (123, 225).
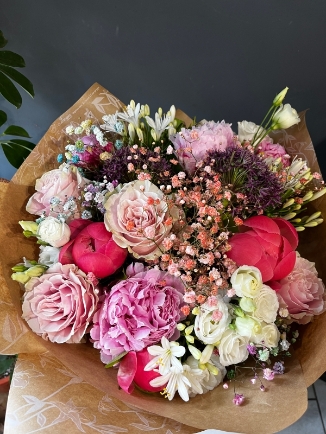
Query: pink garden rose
(193, 144)
(303, 292)
(139, 218)
(138, 312)
(266, 243)
(59, 184)
(60, 304)
(92, 249)
(269, 150)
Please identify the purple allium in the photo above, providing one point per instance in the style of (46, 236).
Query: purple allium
(278, 368)
(248, 174)
(116, 168)
(238, 398)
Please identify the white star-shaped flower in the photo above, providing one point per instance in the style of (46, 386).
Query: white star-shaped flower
(166, 356)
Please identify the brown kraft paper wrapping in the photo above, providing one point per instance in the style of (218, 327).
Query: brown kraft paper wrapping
(65, 387)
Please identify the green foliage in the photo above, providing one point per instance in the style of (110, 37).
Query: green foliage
(7, 364)
(16, 150)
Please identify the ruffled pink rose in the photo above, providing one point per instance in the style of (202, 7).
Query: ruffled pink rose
(60, 304)
(266, 243)
(138, 312)
(139, 218)
(92, 249)
(193, 144)
(59, 184)
(269, 150)
(303, 292)
(131, 370)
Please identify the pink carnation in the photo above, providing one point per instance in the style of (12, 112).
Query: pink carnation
(303, 292)
(268, 149)
(192, 145)
(138, 312)
(60, 304)
(59, 184)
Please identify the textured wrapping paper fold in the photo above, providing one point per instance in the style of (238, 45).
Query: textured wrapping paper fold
(58, 388)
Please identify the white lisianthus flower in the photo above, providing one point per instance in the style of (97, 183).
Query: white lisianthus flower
(285, 117)
(53, 231)
(246, 281)
(267, 305)
(48, 255)
(175, 380)
(269, 336)
(166, 356)
(247, 304)
(247, 326)
(212, 321)
(233, 348)
(247, 130)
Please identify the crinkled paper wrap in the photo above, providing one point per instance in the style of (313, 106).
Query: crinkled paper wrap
(65, 388)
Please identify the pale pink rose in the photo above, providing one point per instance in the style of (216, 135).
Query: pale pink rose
(303, 292)
(139, 218)
(57, 183)
(209, 136)
(60, 304)
(269, 150)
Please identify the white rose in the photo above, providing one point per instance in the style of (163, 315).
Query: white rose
(247, 130)
(212, 321)
(246, 281)
(54, 232)
(48, 255)
(247, 326)
(267, 305)
(285, 117)
(233, 348)
(269, 336)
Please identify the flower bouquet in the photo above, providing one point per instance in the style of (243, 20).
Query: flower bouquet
(166, 250)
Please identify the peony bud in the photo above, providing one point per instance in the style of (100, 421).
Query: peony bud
(285, 117)
(277, 101)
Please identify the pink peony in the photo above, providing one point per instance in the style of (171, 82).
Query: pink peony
(139, 218)
(267, 244)
(60, 304)
(303, 292)
(92, 249)
(138, 312)
(131, 370)
(193, 144)
(59, 184)
(267, 149)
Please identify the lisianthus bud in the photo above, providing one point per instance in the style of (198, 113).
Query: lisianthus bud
(20, 277)
(35, 271)
(29, 226)
(279, 97)
(285, 117)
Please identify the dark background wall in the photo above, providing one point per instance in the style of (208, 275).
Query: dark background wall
(216, 59)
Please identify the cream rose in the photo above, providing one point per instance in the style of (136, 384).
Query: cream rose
(54, 232)
(212, 321)
(246, 281)
(247, 130)
(267, 305)
(269, 336)
(233, 348)
(248, 326)
(139, 218)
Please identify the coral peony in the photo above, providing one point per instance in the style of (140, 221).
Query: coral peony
(303, 292)
(60, 304)
(93, 250)
(267, 244)
(192, 145)
(59, 184)
(137, 312)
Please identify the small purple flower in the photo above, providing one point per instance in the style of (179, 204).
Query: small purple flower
(262, 388)
(238, 398)
(278, 368)
(268, 374)
(252, 349)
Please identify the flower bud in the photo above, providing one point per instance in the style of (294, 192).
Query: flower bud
(299, 228)
(194, 352)
(132, 104)
(313, 216)
(19, 268)
(206, 354)
(172, 111)
(308, 196)
(280, 97)
(29, 226)
(140, 134)
(196, 311)
(318, 194)
(189, 330)
(239, 312)
(212, 368)
(190, 339)
(310, 224)
(289, 216)
(131, 130)
(288, 203)
(247, 304)
(20, 277)
(35, 271)
(160, 112)
(181, 326)
(153, 134)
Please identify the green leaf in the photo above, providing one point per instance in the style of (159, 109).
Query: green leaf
(116, 359)
(13, 130)
(11, 59)
(3, 117)
(9, 92)
(3, 40)
(19, 78)
(17, 151)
